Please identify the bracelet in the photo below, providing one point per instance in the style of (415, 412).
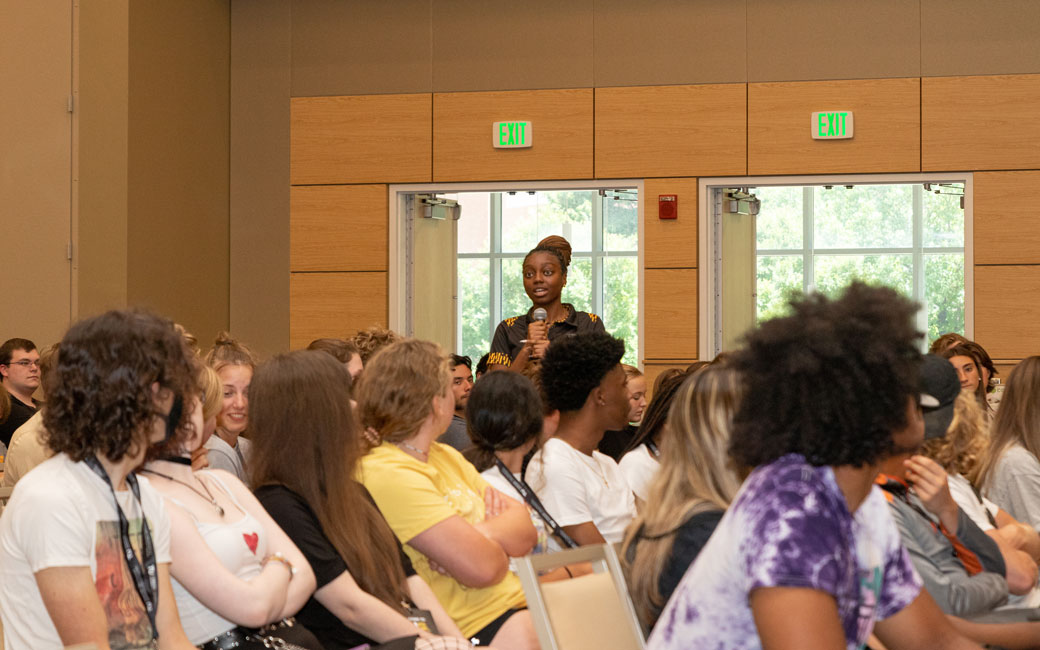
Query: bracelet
(278, 557)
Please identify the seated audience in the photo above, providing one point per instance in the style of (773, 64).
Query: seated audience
(482, 367)
(84, 544)
(581, 488)
(461, 385)
(962, 568)
(952, 339)
(234, 363)
(233, 570)
(1010, 472)
(27, 448)
(20, 377)
(959, 453)
(694, 486)
(504, 417)
(967, 359)
(614, 443)
(367, 592)
(343, 351)
(458, 531)
(642, 457)
(372, 340)
(830, 392)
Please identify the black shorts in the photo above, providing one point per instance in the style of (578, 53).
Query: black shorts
(484, 636)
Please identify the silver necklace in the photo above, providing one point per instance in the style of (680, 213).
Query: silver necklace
(208, 496)
(405, 445)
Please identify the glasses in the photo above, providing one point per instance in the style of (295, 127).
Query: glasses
(25, 363)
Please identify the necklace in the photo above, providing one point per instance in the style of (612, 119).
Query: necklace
(405, 445)
(208, 496)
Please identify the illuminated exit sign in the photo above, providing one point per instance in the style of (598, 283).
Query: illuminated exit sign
(511, 135)
(831, 125)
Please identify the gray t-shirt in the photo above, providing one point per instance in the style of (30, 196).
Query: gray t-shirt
(230, 459)
(1015, 485)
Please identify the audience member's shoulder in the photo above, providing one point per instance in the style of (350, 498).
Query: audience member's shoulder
(1019, 456)
(790, 483)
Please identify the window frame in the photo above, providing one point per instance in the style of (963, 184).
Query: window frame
(397, 270)
(711, 189)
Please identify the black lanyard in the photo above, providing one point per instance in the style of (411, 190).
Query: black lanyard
(531, 499)
(147, 588)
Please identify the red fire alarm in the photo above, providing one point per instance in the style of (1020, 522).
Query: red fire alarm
(667, 206)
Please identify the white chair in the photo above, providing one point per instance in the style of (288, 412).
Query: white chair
(590, 612)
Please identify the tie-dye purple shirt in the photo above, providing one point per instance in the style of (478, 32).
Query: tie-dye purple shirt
(790, 526)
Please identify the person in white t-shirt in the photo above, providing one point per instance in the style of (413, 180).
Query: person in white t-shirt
(84, 545)
(641, 460)
(583, 489)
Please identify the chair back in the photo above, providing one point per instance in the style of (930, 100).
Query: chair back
(589, 612)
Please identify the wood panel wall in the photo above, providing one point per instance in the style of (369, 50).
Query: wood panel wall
(668, 135)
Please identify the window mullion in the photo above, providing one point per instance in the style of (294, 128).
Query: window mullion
(808, 241)
(495, 265)
(597, 254)
(920, 294)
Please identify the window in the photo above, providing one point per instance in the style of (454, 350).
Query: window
(904, 236)
(497, 229)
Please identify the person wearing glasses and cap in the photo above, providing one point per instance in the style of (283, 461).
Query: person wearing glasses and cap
(20, 373)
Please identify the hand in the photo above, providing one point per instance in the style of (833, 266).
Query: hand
(929, 482)
(537, 330)
(494, 503)
(436, 567)
(538, 349)
(199, 459)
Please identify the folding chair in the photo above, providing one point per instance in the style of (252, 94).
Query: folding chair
(590, 612)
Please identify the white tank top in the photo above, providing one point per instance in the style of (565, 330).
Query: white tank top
(239, 546)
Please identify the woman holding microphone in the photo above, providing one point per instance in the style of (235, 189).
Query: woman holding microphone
(522, 339)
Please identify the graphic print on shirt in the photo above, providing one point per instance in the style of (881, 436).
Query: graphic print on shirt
(128, 624)
(252, 539)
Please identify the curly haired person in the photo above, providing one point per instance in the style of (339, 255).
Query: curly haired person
(808, 556)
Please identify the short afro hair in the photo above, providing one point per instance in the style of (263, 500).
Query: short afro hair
(575, 364)
(831, 381)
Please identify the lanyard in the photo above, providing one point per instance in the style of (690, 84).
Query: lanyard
(147, 588)
(531, 499)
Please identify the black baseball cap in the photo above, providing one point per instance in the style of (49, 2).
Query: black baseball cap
(939, 390)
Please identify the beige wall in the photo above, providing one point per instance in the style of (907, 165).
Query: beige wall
(748, 49)
(36, 154)
(152, 162)
(136, 178)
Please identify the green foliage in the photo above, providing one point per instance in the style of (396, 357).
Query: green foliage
(526, 219)
(868, 216)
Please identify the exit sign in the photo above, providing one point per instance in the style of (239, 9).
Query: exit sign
(511, 135)
(831, 125)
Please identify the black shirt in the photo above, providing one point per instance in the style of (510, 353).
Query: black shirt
(19, 415)
(614, 443)
(296, 518)
(690, 538)
(506, 343)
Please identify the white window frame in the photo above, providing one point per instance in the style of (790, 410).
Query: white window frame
(707, 236)
(397, 280)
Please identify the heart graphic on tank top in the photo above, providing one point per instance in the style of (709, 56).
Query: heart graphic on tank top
(251, 541)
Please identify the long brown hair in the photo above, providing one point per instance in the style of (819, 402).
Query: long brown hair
(696, 475)
(1017, 420)
(305, 437)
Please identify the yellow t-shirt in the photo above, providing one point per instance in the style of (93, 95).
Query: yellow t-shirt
(414, 496)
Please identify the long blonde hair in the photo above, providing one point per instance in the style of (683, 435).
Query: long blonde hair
(1017, 420)
(696, 475)
(961, 450)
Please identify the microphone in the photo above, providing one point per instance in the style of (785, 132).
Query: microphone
(540, 314)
